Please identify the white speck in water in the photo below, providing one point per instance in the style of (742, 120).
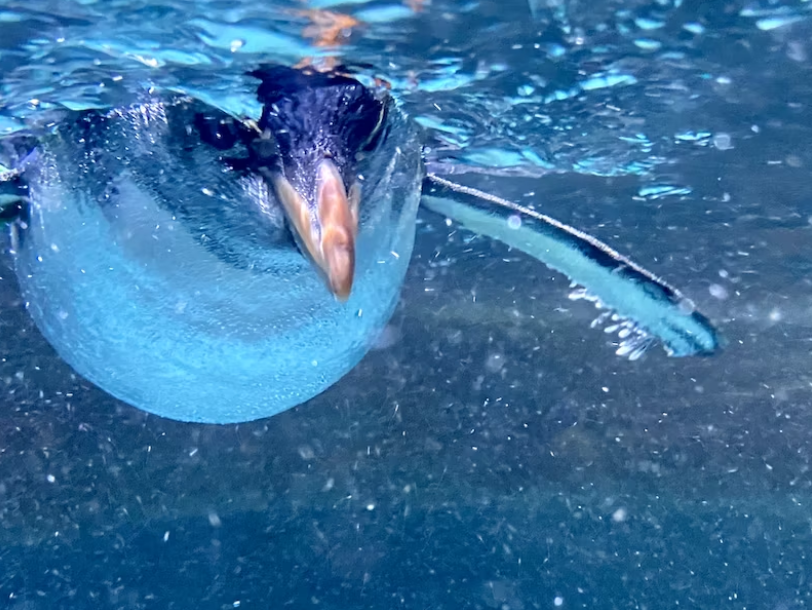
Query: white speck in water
(718, 291)
(236, 45)
(722, 141)
(54, 248)
(776, 315)
(315, 362)
(236, 604)
(51, 478)
(495, 362)
(558, 601)
(62, 315)
(166, 536)
(207, 191)
(214, 519)
(514, 221)
(619, 516)
(371, 506)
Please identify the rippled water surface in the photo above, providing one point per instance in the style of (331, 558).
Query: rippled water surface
(492, 452)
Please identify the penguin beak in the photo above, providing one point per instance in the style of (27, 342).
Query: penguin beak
(325, 228)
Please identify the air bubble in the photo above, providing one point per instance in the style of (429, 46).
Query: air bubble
(723, 141)
(514, 221)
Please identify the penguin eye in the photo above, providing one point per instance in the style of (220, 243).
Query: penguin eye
(221, 133)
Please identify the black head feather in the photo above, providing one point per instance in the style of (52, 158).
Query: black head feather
(312, 115)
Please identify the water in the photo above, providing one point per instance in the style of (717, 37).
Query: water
(493, 453)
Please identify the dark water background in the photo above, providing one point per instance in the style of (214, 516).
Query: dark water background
(495, 454)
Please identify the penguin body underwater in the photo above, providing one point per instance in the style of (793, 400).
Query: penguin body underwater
(210, 268)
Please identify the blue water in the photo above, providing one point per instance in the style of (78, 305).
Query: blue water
(492, 452)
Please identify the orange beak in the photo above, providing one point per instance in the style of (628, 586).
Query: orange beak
(326, 229)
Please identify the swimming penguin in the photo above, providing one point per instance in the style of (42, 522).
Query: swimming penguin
(212, 268)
